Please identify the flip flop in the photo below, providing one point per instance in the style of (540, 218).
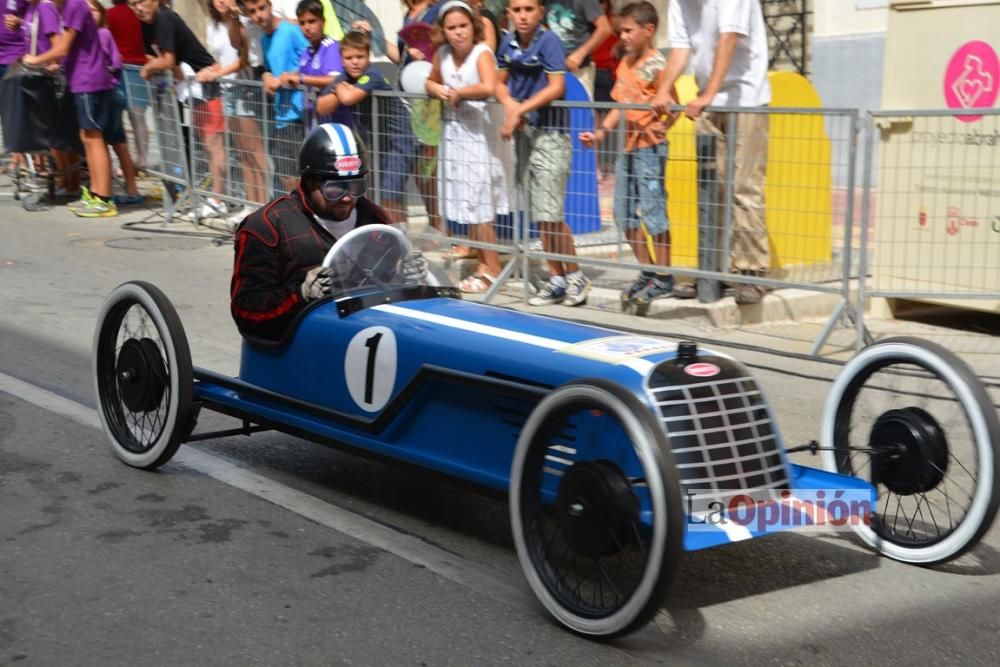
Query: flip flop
(477, 283)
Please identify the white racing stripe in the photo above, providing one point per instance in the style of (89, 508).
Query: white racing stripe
(410, 548)
(640, 366)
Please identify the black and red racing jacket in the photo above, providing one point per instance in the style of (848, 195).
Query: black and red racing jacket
(275, 246)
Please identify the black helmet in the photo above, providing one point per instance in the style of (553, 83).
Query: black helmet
(335, 151)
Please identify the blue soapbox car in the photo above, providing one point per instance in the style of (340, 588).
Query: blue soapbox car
(617, 451)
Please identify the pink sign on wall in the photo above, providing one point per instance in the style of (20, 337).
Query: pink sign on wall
(972, 79)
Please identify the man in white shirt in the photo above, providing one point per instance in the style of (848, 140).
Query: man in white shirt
(726, 43)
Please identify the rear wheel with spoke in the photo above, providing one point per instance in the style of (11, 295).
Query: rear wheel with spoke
(596, 508)
(142, 375)
(929, 440)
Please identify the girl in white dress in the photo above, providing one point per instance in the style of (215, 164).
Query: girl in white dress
(473, 184)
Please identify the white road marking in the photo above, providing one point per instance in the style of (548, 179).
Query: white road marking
(407, 547)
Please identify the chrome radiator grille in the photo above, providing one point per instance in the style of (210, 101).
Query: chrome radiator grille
(722, 437)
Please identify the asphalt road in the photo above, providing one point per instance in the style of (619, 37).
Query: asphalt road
(270, 550)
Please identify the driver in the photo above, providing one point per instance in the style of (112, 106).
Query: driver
(280, 246)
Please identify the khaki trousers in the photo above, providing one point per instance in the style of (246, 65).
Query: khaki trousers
(749, 244)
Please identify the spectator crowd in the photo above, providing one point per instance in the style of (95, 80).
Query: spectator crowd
(462, 150)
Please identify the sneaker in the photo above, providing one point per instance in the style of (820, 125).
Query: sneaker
(577, 288)
(203, 212)
(214, 209)
(82, 202)
(685, 291)
(129, 200)
(637, 286)
(550, 294)
(659, 285)
(98, 208)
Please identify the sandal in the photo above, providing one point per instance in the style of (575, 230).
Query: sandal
(476, 283)
(461, 252)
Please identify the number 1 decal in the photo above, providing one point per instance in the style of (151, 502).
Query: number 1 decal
(372, 345)
(370, 367)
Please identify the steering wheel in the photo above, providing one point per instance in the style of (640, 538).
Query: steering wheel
(369, 256)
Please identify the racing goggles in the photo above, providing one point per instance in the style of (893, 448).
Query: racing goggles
(334, 191)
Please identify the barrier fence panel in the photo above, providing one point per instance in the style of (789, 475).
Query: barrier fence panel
(156, 125)
(762, 196)
(759, 197)
(229, 160)
(934, 227)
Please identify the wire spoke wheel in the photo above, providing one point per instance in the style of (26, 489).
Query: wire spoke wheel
(596, 509)
(143, 375)
(929, 436)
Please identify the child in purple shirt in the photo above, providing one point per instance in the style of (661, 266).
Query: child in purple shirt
(319, 64)
(115, 135)
(11, 37)
(89, 77)
(41, 21)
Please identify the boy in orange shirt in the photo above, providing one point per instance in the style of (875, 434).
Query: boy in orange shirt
(640, 198)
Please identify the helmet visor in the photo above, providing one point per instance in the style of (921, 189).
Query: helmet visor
(334, 191)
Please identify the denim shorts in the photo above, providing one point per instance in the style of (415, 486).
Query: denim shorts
(102, 111)
(639, 189)
(543, 158)
(242, 101)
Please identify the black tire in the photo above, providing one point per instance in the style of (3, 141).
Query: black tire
(934, 439)
(588, 499)
(143, 376)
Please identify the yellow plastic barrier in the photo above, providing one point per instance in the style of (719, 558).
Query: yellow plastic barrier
(797, 192)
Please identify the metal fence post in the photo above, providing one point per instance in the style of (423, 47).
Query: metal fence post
(725, 252)
(845, 303)
(708, 232)
(862, 332)
(375, 153)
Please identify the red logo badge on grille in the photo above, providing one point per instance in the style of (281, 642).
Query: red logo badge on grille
(348, 163)
(702, 370)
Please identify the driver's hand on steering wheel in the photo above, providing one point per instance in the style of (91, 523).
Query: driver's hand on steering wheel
(317, 283)
(414, 267)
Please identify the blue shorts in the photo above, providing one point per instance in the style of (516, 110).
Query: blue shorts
(102, 111)
(400, 158)
(639, 189)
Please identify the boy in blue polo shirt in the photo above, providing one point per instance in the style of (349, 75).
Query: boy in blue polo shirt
(532, 68)
(282, 44)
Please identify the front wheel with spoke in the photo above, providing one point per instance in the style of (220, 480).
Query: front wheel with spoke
(142, 375)
(913, 419)
(596, 508)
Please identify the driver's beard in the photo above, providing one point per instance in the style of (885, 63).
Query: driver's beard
(333, 211)
(324, 209)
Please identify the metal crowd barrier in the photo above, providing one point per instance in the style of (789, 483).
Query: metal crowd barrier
(931, 224)
(919, 226)
(805, 213)
(166, 157)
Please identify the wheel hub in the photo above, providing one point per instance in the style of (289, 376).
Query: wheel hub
(596, 509)
(910, 451)
(141, 375)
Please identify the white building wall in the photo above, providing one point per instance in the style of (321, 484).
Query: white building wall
(848, 50)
